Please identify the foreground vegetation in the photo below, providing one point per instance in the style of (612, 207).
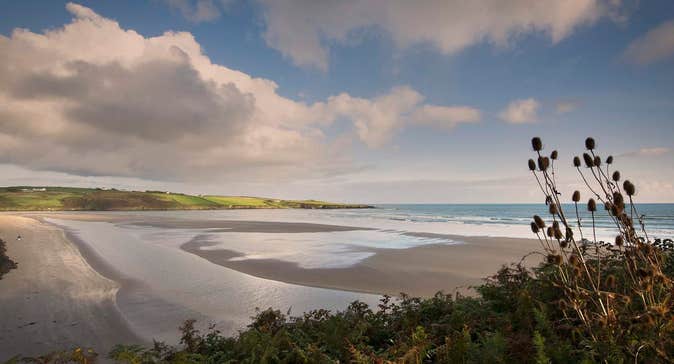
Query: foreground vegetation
(28, 198)
(6, 263)
(587, 302)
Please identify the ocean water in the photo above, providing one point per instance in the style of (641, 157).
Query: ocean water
(497, 220)
(658, 218)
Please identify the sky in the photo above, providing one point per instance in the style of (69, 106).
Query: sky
(356, 101)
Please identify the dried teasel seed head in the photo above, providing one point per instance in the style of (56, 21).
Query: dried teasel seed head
(550, 232)
(536, 144)
(629, 188)
(576, 196)
(539, 222)
(563, 243)
(597, 161)
(554, 259)
(589, 143)
(553, 209)
(555, 224)
(616, 176)
(589, 162)
(574, 260)
(607, 206)
(619, 240)
(569, 233)
(616, 210)
(618, 199)
(576, 161)
(558, 234)
(659, 279)
(548, 200)
(609, 159)
(543, 163)
(577, 272)
(610, 281)
(534, 228)
(532, 165)
(591, 205)
(554, 155)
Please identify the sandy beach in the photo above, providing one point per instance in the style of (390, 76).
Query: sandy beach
(66, 293)
(54, 299)
(416, 271)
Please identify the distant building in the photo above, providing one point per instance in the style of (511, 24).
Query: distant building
(33, 189)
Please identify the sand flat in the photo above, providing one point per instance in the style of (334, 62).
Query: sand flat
(54, 299)
(417, 271)
(60, 296)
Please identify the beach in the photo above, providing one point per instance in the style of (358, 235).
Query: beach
(418, 271)
(97, 279)
(54, 299)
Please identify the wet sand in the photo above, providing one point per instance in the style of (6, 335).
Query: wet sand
(54, 299)
(63, 294)
(417, 271)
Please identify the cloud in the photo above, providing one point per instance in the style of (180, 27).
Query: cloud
(302, 29)
(196, 11)
(521, 111)
(646, 152)
(446, 116)
(566, 106)
(656, 45)
(91, 98)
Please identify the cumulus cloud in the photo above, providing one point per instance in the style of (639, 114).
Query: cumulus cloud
(657, 44)
(92, 98)
(566, 106)
(446, 116)
(301, 29)
(647, 152)
(521, 111)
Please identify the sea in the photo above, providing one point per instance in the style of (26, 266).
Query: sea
(496, 220)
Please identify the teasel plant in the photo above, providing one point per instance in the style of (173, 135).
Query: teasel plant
(617, 292)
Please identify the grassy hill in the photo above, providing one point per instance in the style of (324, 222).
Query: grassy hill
(30, 198)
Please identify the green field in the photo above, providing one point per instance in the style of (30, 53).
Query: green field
(31, 198)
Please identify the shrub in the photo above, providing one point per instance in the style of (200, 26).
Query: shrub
(6, 264)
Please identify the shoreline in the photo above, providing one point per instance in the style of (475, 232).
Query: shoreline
(326, 207)
(417, 271)
(57, 298)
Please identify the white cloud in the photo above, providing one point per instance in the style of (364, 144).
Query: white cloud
(301, 29)
(92, 98)
(521, 111)
(647, 152)
(446, 116)
(566, 106)
(657, 44)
